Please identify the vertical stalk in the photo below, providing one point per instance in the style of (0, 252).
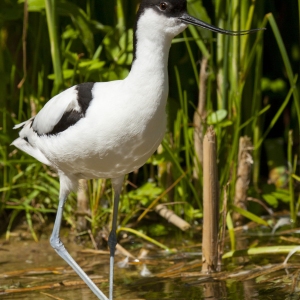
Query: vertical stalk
(246, 21)
(186, 132)
(222, 235)
(219, 8)
(287, 63)
(221, 81)
(2, 82)
(82, 205)
(231, 232)
(3, 106)
(2, 71)
(24, 42)
(55, 51)
(235, 95)
(291, 180)
(21, 102)
(35, 60)
(199, 117)
(222, 56)
(299, 29)
(256, 107)
(235, 47)
(89, 8)
(243, 178)
(225, 79)
(120, 17)
(191, 56)
(210, 203)
(244, 14)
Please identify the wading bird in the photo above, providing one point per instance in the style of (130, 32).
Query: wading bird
(108, 129)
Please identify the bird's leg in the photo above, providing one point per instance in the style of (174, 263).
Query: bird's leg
(112, 239)
(59, 247)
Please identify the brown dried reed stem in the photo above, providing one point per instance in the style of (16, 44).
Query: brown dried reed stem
(199, 117)
(82, 205)
(210, 203)
(169, 215)
(245, 161)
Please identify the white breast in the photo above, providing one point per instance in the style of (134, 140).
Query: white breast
(122, 128)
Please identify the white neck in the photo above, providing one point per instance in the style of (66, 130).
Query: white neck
(151, 54)
(149, 71)
(151, 51)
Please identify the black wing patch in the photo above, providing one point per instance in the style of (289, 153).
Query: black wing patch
(69, 118)
(84, 95)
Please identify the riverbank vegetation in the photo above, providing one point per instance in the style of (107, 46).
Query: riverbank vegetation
(249, 89)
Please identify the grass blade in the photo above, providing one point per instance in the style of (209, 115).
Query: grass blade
(50, 6)
(286, 61)
(278, 114)
(261, 251)
(250, 215)
(145, 237)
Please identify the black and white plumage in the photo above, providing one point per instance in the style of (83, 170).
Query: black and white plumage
(106, 130)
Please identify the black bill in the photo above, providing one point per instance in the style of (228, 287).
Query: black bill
(185, 18)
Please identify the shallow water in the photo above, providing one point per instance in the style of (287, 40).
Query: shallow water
(30, 270)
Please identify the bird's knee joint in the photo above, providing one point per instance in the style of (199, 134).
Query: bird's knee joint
(112, 241)
(56, 243)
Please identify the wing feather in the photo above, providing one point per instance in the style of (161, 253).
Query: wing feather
(50, 115)
(22, 124)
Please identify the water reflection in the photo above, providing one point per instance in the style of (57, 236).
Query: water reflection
(249, 290)
(27, 265)
(214, 290)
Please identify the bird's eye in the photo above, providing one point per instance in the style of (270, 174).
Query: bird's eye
(163, 5)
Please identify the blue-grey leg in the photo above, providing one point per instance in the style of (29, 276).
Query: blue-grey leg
(112, 239)
(61, 250)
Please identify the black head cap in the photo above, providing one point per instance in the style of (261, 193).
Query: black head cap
(169, 8)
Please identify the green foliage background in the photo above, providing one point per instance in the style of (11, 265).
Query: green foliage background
(252, 89)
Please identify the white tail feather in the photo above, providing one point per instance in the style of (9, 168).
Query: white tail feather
(22, 124)
(34, 152)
